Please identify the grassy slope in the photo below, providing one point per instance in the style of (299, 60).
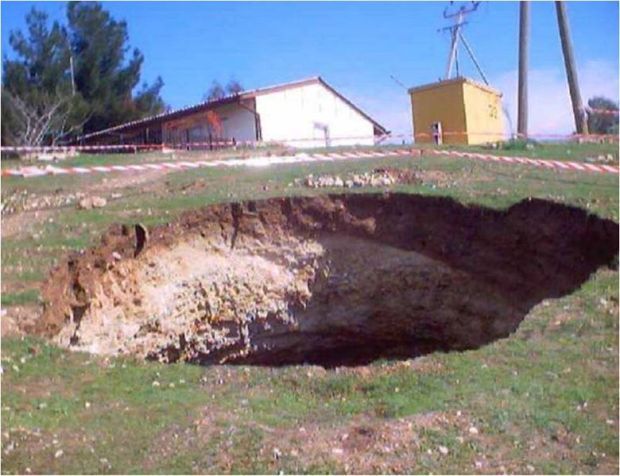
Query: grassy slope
(525, 394)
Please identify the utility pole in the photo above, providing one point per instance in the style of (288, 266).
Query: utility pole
(454, 43)
(456, 35)
(581, 122)
(524, 40)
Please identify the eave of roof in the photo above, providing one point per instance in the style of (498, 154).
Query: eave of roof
(228, 100)
(164, 115)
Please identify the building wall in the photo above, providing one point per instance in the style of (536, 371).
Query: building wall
(311, 112)
(303, 115)
(484, 115)
(236, 122)
(469, 114)
(443, 103)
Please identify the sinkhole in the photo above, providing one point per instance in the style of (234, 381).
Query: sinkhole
(329, 280)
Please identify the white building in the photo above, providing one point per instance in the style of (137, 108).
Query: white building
(306, 113)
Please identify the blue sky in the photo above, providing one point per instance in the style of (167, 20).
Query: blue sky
(357, 46)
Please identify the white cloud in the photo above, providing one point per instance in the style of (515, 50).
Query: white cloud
(550, 110)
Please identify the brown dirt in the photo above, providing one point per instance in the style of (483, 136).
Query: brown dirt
(24, 223)
(437, 177)
(17, 318)
(401, 176)
(330, 280)
(130, 180)
(366, 445)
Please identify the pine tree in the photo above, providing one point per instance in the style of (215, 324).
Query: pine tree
(40, 102)
(38, 105)
(103, 75)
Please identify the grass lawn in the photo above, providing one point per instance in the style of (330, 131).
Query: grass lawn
(558, 150)
(544, 400)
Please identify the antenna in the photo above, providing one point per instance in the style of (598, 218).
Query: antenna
(456, 33)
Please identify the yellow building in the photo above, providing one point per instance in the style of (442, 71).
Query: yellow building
(467, 112)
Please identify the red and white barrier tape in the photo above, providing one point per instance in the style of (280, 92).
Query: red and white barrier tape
(77, 148)
(334, 142)
(306, 158)
(608, 112)
(544, 163)
(27, 172)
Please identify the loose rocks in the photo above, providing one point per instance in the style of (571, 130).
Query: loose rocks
(92, 202)
(382, 177)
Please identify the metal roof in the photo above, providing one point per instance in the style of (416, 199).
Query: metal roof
(229, 100)
(460, 79)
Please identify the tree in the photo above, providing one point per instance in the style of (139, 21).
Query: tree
(38, 104)
(103, 76)
(215, 92)
(37, 86)
(49, 120)
(148, 99)
(234, 87)
(602, 116)
(215, 123)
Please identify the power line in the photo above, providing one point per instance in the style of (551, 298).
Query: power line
(398, 82)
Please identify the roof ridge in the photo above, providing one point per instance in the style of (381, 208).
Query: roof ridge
(251, 93)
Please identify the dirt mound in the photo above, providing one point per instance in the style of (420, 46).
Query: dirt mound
(330, 280)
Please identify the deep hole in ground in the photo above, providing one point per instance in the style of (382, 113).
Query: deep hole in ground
(330, 280)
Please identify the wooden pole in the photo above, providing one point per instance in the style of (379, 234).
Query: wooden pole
(524, 40)
(581, 123)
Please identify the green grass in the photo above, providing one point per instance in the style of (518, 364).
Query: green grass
(551, 150)
(107, 415)
(30, 296)
(515, 389)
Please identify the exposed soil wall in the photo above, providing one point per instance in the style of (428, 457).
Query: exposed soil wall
(331, 280)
